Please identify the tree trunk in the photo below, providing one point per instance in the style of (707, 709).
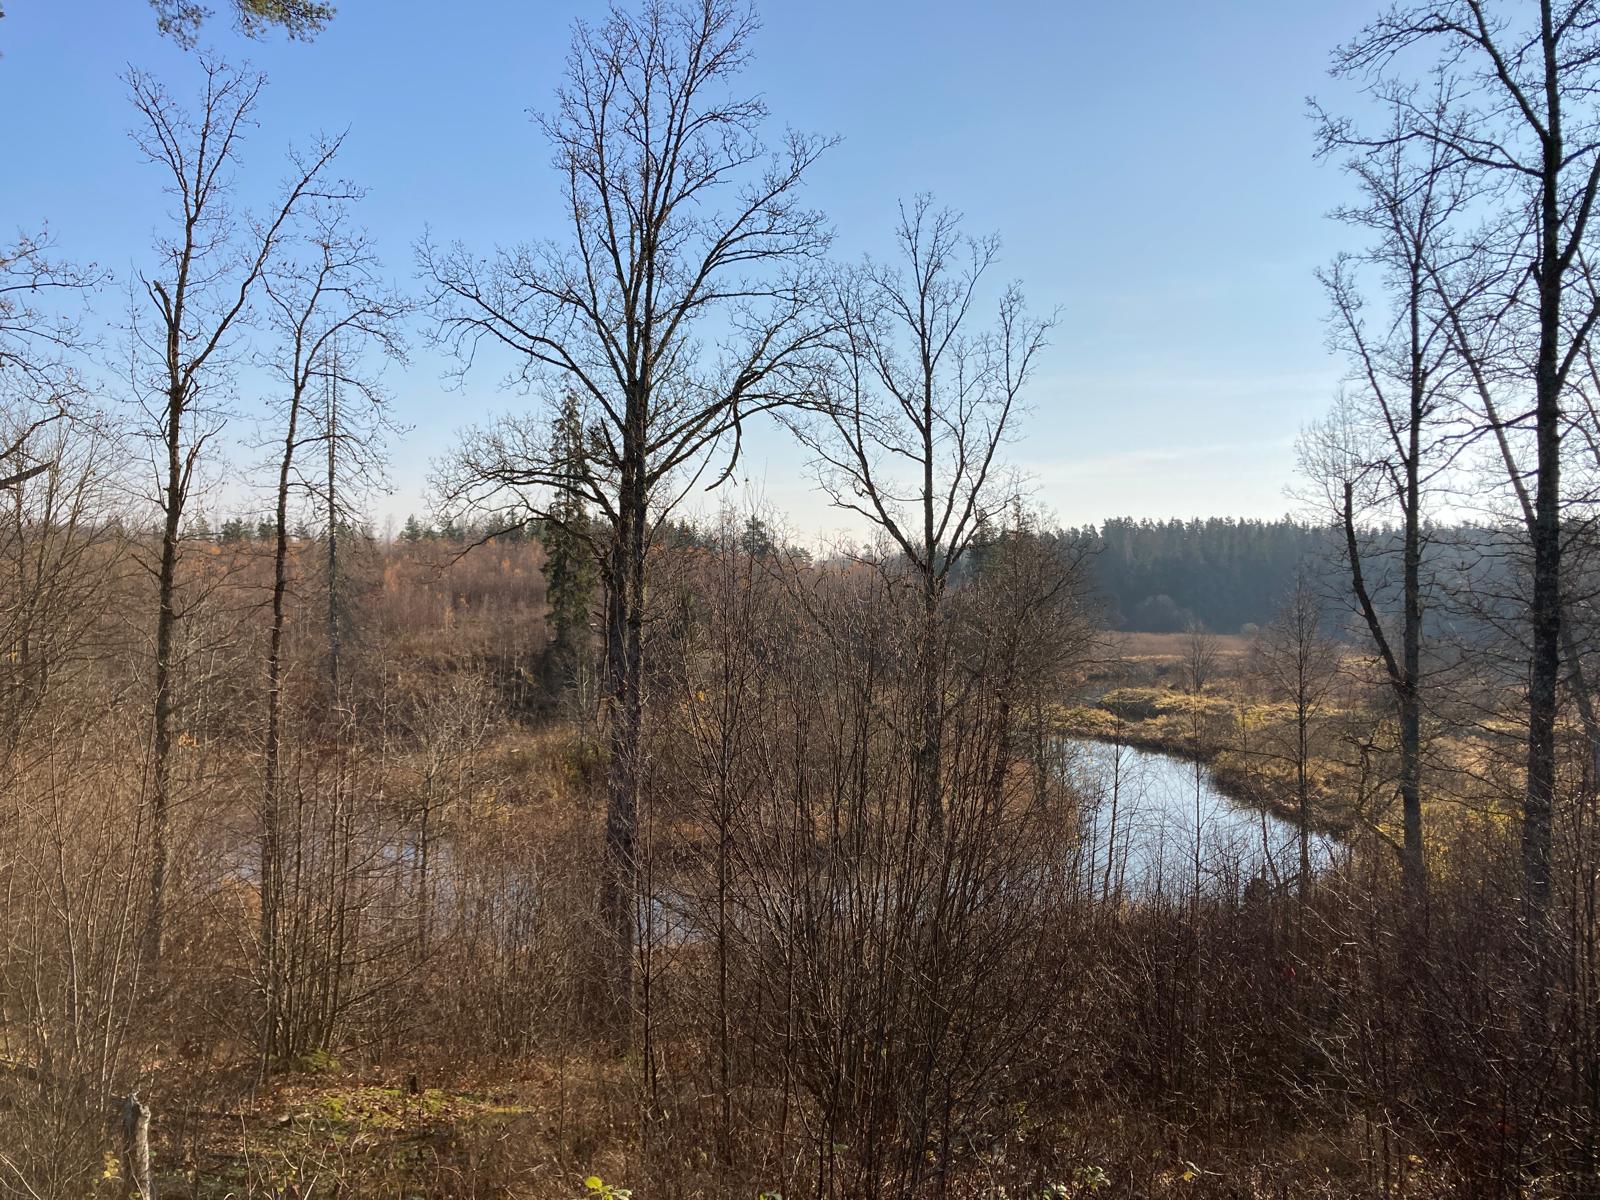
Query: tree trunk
(928, 758)
(1413, 864)
(928, 793)
(1545, 611)
(1403, 678)
(1303, 786)
(165, 685)
(625, 686)
(271, 799)
(333, 532)
(1545, 669)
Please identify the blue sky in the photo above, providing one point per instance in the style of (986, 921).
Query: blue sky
(1148, 168)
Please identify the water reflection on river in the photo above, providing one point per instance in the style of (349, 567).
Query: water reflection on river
(1142, 813)
(1139, 811)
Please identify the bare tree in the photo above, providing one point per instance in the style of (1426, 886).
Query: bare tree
(1200, 658)
(326, 303)
(1515, 107)
(1299, 664)
(1379, 458)
(37, 345)
(684, 228)
(60, 556)
(212, 265)
(33, 334)
(921, 402)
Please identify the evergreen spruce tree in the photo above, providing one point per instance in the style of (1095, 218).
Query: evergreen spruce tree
(569, 568)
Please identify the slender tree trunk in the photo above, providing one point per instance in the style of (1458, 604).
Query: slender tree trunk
(1543, 678)
(1413, 864)
(15, 715)
(1545, 612)
(271, 799)
(1303, 787)
(1199, 814)
(928, 764)
(424, 849)
(724, 840)
(928, 756)
(333, 530)
(1403, 681)
(165, 687)
(1116, 798)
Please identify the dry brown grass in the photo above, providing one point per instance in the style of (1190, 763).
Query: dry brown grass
(1172, 646)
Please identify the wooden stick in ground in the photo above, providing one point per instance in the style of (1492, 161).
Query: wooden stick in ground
(137, 1176)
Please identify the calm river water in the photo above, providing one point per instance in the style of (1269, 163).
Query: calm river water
(1146, 812)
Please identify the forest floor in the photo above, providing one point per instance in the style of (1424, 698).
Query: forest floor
(538, 1131)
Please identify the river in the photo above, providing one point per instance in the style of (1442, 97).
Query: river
(1145, 814)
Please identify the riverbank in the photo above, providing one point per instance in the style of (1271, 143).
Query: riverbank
(1244, 744)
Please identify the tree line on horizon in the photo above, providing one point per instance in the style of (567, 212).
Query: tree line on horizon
(1226, 574)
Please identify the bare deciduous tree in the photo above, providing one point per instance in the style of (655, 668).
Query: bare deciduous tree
(1299, 664)
(917, 410)
(38, 343)
(34, 336)
(60, 557)
(1200, 658)
(1378, 459)
(1515, 107)
(326, 304)
(212, 264)
(684, 229)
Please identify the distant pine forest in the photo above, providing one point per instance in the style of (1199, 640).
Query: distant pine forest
(1225, 573)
